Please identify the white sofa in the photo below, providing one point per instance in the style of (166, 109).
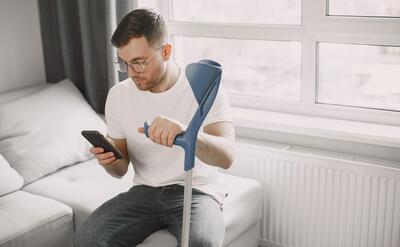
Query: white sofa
(49, 183)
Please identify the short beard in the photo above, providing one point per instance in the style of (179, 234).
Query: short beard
(153, 82)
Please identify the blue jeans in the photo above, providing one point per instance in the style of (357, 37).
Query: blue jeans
(130, 217)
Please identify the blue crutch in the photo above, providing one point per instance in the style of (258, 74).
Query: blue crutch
(204, 78)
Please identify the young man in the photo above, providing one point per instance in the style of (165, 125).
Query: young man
(157, 90)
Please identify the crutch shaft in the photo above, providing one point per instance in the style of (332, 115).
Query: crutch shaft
(187, 206)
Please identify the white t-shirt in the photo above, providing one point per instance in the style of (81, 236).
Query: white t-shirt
(127, 108)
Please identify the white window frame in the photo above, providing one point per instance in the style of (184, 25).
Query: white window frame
(351, 130)
(316, 27)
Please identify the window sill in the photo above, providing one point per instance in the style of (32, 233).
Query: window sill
(257, 121)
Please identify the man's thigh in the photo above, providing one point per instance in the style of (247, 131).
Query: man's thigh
(125, 220)
(207, 226)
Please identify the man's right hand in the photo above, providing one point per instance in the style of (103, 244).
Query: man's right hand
(104, 159)
(116, 168)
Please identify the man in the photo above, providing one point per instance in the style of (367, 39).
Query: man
(157, 90)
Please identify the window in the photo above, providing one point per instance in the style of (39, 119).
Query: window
(386, 8)
(369, 76)
(245, 63)
(333, 58)
(238, 11)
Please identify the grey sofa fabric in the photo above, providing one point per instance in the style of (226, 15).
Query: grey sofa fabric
(83, 187)
(10, 180)
(34, 221)
(9, 96)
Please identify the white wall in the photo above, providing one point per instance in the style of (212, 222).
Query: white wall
(21, 54)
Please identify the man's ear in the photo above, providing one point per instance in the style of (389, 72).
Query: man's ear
(167, 51)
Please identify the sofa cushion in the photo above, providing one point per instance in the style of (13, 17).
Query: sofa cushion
(10, 180)
(34, 221)
(40, 133)
(83, 186)
(242, 207)
(20, 93)
(86, 186)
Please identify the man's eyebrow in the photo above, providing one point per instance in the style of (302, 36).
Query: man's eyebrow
(137, 59)
(133, 60)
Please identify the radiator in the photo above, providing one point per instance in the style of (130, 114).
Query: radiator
(317, 199)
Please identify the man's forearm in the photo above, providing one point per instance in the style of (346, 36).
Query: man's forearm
(215, 150)
(118, 168)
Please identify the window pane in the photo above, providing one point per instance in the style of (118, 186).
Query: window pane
(238, 11)
(359, 75)
(250, 67)
(384, 8)
(153, 4)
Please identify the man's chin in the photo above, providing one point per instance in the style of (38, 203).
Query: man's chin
(142, 88)
(141, 85)
(144, 85)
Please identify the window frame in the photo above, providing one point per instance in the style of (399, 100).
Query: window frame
(316, 26)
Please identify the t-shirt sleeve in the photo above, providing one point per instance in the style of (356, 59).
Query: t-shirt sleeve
(112, 113)
(220, 111)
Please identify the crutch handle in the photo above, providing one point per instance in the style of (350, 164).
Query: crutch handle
(146, 128)
(179, 139)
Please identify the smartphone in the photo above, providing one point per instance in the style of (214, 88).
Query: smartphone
(98, 140)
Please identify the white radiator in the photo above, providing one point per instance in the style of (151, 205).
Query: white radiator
(320, 200)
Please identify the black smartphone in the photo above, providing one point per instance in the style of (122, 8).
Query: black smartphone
(98, 140)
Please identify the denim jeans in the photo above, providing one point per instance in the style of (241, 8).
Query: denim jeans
(130, 217)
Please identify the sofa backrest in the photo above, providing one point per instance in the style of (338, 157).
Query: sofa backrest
(40, 133)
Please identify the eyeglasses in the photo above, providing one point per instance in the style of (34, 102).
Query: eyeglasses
(137, 67)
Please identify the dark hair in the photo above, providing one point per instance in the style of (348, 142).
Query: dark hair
(138, 23)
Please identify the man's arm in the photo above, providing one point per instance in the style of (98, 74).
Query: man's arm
(216, 145)
(116, 168)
